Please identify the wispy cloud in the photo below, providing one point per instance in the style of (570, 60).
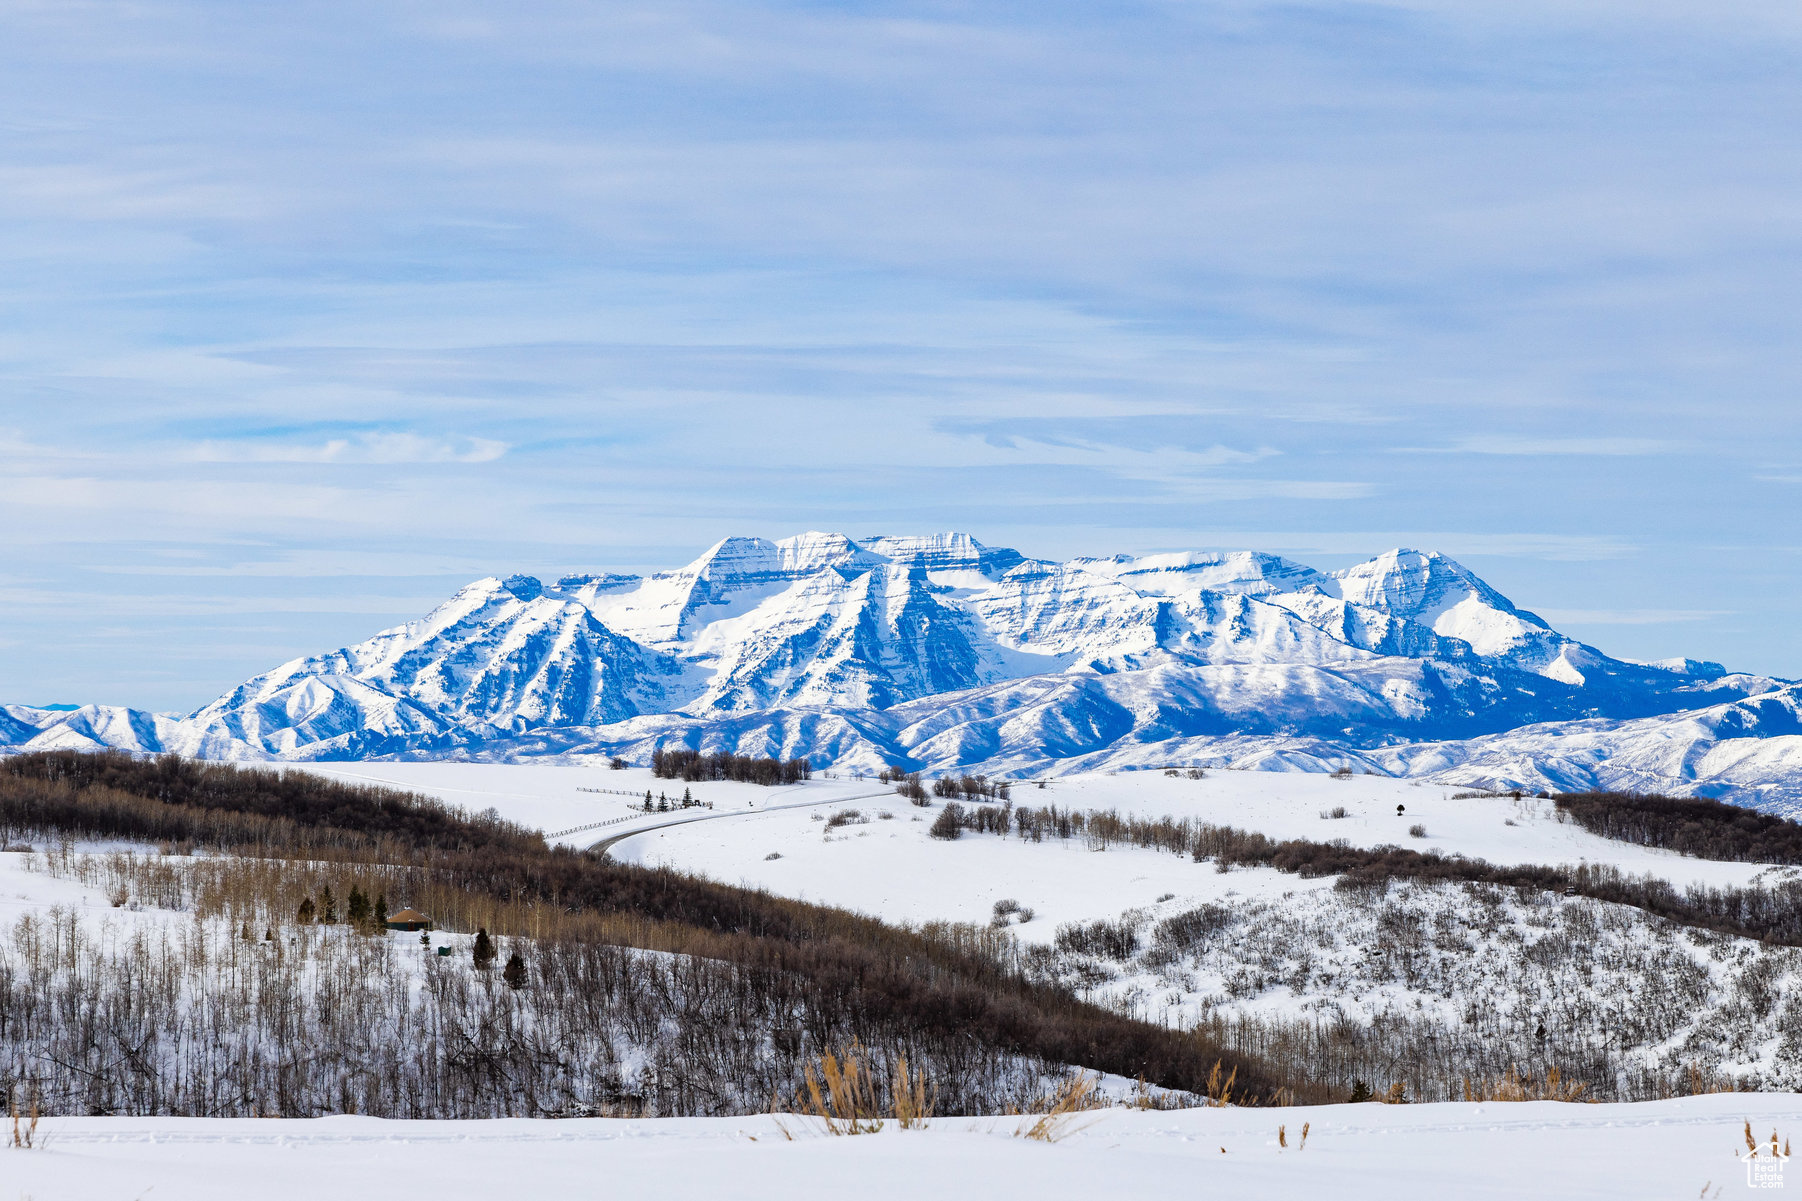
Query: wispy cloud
(1531, 446)
(387, 448)
(352, 290)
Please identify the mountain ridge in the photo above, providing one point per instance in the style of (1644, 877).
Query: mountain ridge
(934, 652)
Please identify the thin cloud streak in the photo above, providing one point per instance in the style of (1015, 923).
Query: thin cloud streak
(337, 291)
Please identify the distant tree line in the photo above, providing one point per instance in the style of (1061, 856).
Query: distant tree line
(1772, 912)
(681, 763)
(1707, 829)
(911, 785)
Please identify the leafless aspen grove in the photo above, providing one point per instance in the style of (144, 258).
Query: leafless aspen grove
(227, 960)
(214, 980)
(1434, 984)
(232, 1007)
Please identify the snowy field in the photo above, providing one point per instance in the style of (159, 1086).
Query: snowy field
(1297, 948)
(1453, 965)
(554, 798)
(895, 870)
(1668, 1149)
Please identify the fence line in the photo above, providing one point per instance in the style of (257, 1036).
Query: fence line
(612, 821)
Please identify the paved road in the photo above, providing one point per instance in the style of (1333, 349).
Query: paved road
(602, 846)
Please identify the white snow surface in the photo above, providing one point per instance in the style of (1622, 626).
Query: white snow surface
(1371, 1152)
(558, 797)
(1675, 1148)
(893, 869)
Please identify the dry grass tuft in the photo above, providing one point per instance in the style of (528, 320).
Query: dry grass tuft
(1282, 1137)
(842, 1094)
(913, 1101)
(25, 1133)
(1515, 1087)
(1056, 1111)
(1698, 1083)
(1220, 1092)
(843, 1091)
(1756, 1148)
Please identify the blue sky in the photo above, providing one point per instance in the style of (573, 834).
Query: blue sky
(310, 313)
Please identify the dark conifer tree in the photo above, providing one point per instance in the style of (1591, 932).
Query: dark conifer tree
(483, 954)
(304, 915)
(356, 910)
(515, 972)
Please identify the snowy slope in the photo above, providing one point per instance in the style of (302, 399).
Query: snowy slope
(933, 651)
(1527, 975)
(891, 868)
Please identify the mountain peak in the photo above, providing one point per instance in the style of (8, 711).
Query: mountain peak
(1253, 573)
(525, 587)
(1440, 593)
(950, 551)
(933, 649)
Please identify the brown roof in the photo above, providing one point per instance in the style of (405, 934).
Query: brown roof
(407, 915)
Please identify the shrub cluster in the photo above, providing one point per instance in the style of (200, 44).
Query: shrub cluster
(971, 788)
(908, 784)
(682, 763)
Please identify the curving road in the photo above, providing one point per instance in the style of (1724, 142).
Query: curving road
(602, 846)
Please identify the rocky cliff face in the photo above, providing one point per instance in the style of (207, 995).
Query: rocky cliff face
(937, 651)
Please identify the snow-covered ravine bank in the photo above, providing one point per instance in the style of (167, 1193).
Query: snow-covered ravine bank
(1667, 1149)
(1450, 978)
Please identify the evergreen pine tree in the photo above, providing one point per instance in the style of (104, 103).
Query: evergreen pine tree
(381, 911)
(515, 971)
(356, 910)
(484, 949)
(328, 906)
(304, 915)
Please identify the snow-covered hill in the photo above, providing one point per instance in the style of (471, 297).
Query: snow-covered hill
(939, 651)
(1505, 975)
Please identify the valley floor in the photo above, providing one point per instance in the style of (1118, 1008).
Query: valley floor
(1664, 1149)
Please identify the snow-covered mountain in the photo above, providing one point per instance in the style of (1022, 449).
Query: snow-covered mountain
(939, 651)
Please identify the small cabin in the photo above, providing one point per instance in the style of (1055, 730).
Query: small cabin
(408, 919)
